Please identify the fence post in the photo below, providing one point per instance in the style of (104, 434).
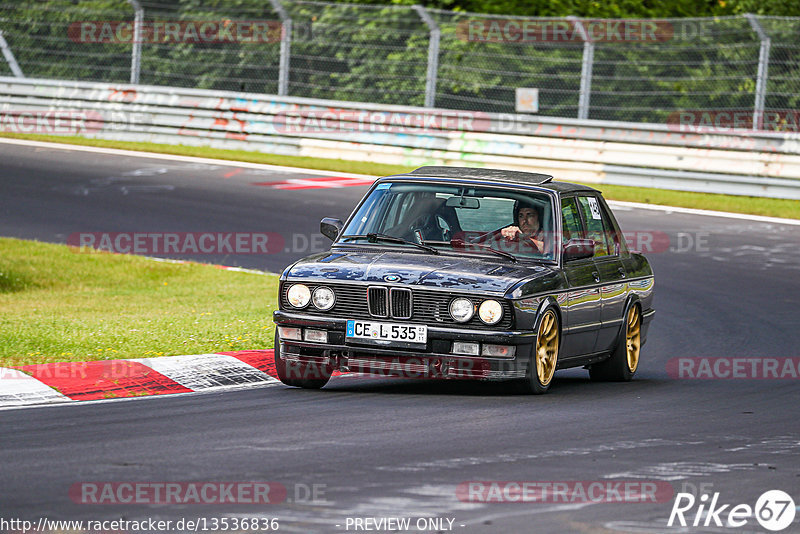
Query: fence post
(136, 52)
(763, 68)
(9, 55)
(286, 47)
(586, 69)
(433, 55)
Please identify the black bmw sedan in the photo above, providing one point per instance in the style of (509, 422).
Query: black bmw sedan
(462, 273)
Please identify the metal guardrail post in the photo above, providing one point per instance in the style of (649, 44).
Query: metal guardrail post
(286, 47)
(9, 55)
(136, 52)
(586, 69)
(433, 55)
(763, 68)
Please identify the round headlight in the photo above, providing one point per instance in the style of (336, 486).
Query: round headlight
(490, 311)
(323, 298)
(462, 310)
(299, 295)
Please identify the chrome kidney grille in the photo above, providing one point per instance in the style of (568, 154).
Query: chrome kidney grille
(400, 300)
(392, 302)
(378, 301)
(354, 301)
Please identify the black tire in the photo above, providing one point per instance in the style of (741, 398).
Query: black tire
(538, 377)
(617, 368)
(303, 375)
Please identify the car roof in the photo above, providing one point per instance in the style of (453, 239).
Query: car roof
(502, 176)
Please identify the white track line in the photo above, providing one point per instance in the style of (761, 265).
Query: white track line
(705, 213)
(173, 157)
(222, 267)
(300, 170)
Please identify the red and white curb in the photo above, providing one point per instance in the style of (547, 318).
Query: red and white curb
(67, 382)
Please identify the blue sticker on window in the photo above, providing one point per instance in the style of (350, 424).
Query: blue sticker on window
(383, 186)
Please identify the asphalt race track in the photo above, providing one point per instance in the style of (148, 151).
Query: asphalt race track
(377, 448)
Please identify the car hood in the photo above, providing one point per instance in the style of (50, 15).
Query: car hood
(478, 274)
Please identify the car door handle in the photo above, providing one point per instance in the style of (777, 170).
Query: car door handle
(596, 276)
(621, 272)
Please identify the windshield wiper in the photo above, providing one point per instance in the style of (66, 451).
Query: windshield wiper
(461, 243)
(374, 238)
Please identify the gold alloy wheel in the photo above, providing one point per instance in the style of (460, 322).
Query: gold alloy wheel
(547, 347)
(632, 337)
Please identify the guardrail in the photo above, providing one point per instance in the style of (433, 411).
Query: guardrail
(649, 155)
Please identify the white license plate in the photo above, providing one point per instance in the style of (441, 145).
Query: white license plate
(408, 333)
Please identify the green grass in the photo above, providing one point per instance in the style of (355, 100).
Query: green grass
(738, 204)
(770, 207)
(57, 305)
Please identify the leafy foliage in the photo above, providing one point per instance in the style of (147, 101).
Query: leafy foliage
(379, 53)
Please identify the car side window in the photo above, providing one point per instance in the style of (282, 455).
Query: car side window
(570, 220)
(615, 239)
(596, 228)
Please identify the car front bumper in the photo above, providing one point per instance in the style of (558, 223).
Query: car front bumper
(434, 360)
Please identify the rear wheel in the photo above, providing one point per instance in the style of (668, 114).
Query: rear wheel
(544, 358)
(301, 375)
(622, 364)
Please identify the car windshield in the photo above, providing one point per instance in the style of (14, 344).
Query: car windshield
(463, 218)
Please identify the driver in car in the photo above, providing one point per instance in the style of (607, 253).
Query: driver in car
(528, 230)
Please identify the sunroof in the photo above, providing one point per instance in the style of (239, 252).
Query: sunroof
(483, 174)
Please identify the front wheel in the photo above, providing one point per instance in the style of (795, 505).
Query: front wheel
(300, 375)
(622, 364)
(544, 358)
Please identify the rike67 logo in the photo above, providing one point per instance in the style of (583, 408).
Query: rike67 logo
(774, 510)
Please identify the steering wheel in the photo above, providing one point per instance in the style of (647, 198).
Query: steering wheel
(486, 237)
(431, 227)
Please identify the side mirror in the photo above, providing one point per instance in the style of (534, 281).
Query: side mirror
(578, 249)
(330, 227)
